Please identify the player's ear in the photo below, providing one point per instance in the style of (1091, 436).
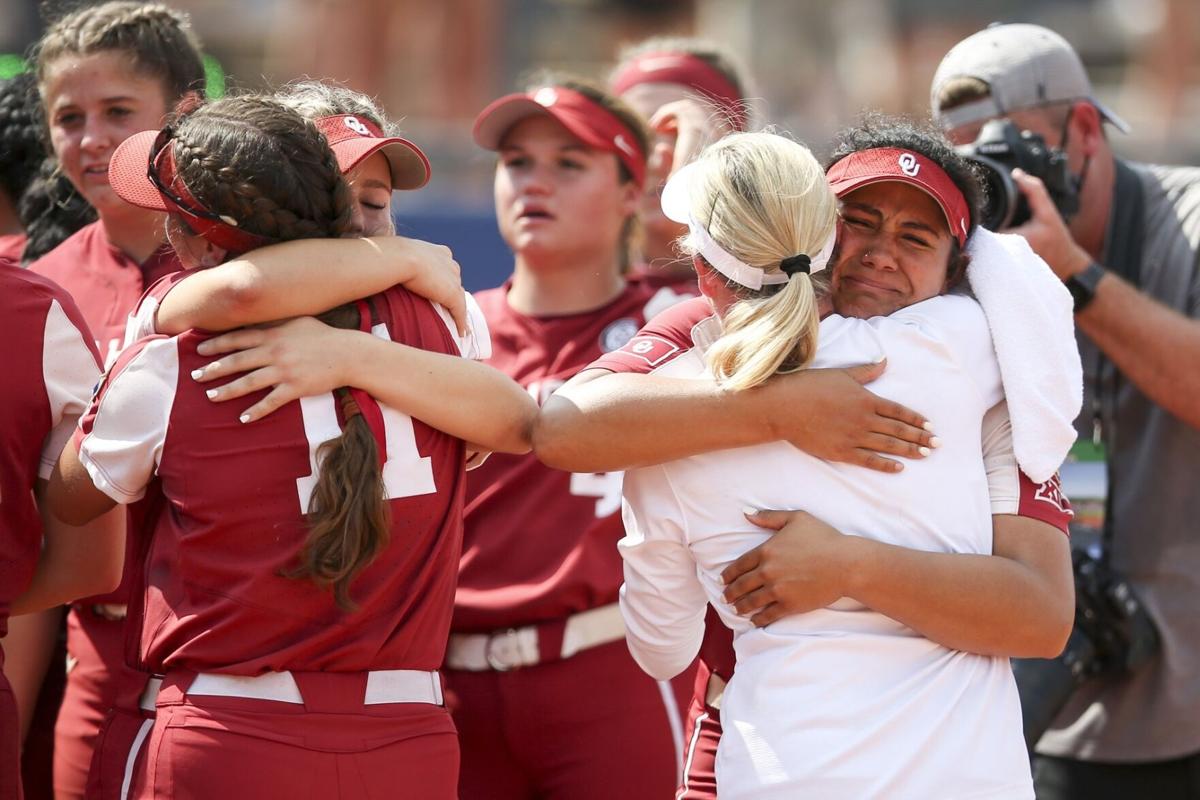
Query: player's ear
(212, 255)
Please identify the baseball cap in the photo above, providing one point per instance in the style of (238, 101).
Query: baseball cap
(1023, 65)
(881, 164)
(142, 173)
(352, 138)
(587, 120)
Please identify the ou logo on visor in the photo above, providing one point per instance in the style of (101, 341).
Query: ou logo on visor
(356, 125)
(909, 165)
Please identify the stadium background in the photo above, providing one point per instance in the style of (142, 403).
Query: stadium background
(815, 65)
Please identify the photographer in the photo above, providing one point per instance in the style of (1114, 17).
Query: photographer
(1129, 257)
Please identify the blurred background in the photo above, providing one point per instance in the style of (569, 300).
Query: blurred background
(814, 66)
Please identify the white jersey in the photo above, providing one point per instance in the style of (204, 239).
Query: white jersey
(840, 702)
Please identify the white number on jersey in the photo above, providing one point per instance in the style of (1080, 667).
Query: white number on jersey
(605, 486)
(406, 473)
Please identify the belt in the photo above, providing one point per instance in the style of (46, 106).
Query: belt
(512, 648)
(383, 686)
(150, 693)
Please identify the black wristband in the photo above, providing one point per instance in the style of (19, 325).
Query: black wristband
(1082, 285)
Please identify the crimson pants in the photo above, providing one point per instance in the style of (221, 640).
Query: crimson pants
(590, 727)
(702, 734)
(97, 682)
(330, 748)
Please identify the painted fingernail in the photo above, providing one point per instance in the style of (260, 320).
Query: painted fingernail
(748, 510)
(928, 426)
(212, 394)
(935, 441)
(244, 418)
(197, 374)
(924, 451)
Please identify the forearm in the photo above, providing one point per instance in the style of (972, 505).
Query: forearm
(286, 280)
(617, 421)
(463, 398)
(76, 561)
(28, 648)
(1149, 343)
(984, 604)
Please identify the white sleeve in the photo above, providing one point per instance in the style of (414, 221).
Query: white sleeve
(143, 321)
(124, 445)
(1003, 476)
(663, 602)
(477, 344)
(70, 373)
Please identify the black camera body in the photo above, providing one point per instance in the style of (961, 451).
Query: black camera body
(997, 151)
(1113, 634)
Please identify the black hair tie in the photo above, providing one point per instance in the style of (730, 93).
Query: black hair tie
(797, 263)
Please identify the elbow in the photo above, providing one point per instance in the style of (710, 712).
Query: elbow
(241, 301)
(1052, 639)
(660, 666)
(552, 438)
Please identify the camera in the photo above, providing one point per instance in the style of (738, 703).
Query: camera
(1113, 634)
(996, 152)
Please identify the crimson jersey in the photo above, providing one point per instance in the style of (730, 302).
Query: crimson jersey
(233, 517)
(104, 281)
(693, 323)
(540, 543)
(50, 366)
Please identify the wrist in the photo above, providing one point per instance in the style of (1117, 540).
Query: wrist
(1083, 285)
(355, 347)
(859, 559)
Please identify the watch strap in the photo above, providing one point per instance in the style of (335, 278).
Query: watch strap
(1082, 285)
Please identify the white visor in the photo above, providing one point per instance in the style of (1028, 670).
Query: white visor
(676, 206)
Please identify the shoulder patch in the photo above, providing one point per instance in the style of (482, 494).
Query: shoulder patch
(654, 350)
(616, 334)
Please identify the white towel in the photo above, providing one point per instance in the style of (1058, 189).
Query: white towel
(1031, 317)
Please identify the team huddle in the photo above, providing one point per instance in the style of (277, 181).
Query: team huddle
(330, 526)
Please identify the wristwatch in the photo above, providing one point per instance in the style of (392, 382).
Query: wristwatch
(1082, 285)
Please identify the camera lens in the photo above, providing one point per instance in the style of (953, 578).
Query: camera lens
(1001, 196)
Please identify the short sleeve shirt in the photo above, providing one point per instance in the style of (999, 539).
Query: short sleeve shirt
(51, 365)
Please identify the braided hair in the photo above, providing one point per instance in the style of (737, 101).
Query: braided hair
(157, 40)
(261, 163)
(51, 209)
(21, 145)
(255, 160)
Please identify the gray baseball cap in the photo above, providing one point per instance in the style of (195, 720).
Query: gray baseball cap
(1024, 66)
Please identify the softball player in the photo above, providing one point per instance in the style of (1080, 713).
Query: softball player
(658, 73)
(547, 700)
(303, 661)
(106, 72)
(51, 361)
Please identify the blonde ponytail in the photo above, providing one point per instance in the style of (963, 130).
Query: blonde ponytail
(765, 336)
(764, 199)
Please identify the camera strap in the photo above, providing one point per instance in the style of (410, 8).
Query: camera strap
(1123, 252)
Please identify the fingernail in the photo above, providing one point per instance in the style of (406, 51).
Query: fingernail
(211, 393)
(749, 511)
(203, 348)
(244, 418)
(880, 359)
(935, 441)
(197, 374)
(924, 451)
(928, 426)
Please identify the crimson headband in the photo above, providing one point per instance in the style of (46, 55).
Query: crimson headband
(688, 70)
(142, 172)
(882, 164)
(589, 121)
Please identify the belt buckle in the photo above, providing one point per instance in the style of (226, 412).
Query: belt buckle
(503, 650)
